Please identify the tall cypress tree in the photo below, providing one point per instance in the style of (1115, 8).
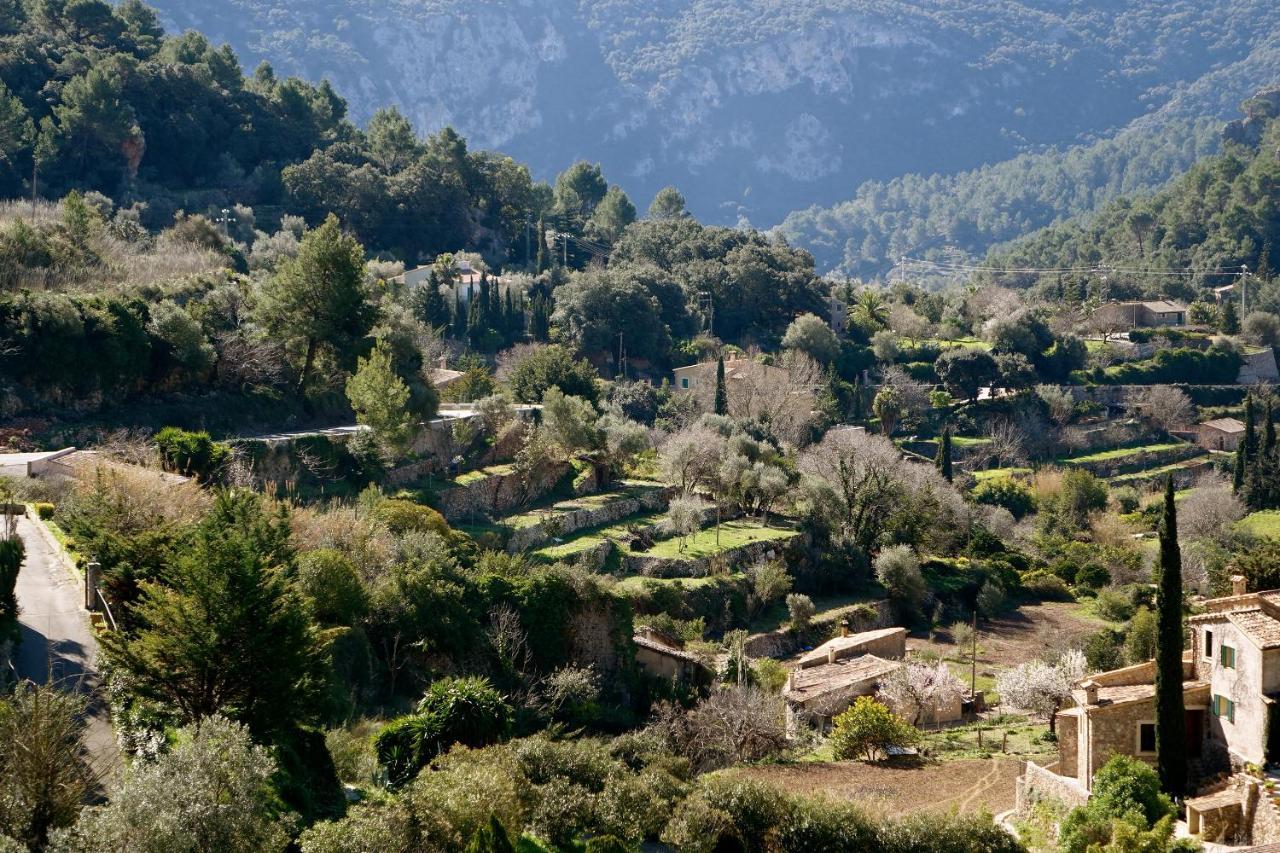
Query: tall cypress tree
(459, 316)
(943, 459)
(1237, 476)
(1229, 320)
(541, 263)
(1171, 722)
(1250, 444)
(1269, 435)
(722, 394)
(540, 319)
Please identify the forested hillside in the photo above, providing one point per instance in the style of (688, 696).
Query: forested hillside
(1198, 233)
(934, 215)
(756, 109)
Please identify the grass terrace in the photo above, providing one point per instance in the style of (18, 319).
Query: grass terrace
(1137, 476)
(1264, 523)
(535, 516)
(588, 538)
(482, 474)
(997, 473)
(733, 534)
(1120, 453)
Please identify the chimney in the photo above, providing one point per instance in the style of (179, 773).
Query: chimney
(1238, 585)
(844, 627)
(831, 655)
(1090, 692)
(444, 362)
(791, 680)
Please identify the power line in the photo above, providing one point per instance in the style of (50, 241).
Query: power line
(1098, 270)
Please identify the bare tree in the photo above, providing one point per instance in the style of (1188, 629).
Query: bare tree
(1210, 511)
(1061, 405)
(731, 726)
(508, 638)
(1163, 405)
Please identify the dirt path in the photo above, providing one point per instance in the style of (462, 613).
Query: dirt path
(58, 645)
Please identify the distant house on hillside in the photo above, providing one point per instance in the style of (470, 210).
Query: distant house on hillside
(701, 377)
(1220, 434)
(1140, 315)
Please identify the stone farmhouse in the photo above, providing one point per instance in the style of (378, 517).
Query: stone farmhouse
(1140, 315)
(828, 679)
(1231, 684)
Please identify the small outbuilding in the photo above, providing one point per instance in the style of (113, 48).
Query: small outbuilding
(1220, 434)
(663, 656)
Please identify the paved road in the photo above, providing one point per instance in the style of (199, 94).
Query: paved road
(58, 645)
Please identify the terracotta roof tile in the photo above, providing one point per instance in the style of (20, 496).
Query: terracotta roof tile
(1261, 627)
(819, 680)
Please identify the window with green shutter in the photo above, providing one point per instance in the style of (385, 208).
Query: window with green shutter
(1227, 657)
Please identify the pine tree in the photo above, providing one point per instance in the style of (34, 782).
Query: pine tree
(1171, 731)
(722, 394)
(430, 306)
(943, 459)
(1229, 322)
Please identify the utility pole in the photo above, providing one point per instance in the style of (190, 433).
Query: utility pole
(622, 355)
(973, 661)
(528, 227)
(225, 220)
(1244, 290)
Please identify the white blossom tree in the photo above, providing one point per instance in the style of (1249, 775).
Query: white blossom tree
(1039, 687)
(920, 692)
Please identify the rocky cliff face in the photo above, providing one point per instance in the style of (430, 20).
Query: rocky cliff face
(752, 107)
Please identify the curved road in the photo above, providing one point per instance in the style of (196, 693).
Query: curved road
(58, 645)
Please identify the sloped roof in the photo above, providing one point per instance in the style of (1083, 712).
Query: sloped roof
(1224, 424)
(664, 649)
(1259, 626)
(1164, 306)
(849, 643)
(816, 681)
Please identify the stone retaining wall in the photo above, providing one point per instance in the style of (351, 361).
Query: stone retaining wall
(1040, 783)
(1137, 462)
(679, 567)
(498, 494)
(782, 642)
(561, 523)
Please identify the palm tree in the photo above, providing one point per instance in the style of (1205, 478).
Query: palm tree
(870, 310)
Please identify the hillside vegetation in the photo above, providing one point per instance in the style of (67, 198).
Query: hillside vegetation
(759, 108)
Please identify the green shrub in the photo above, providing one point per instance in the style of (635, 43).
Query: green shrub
(454, 710)
(329, 581)
(44, 509)
(868, 729)
(191, 454)
(1113, 605)
(1124, 789)
(1013, 495)
(1127, 498)
(1046, 586)
(404, 516)
(11, 556)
